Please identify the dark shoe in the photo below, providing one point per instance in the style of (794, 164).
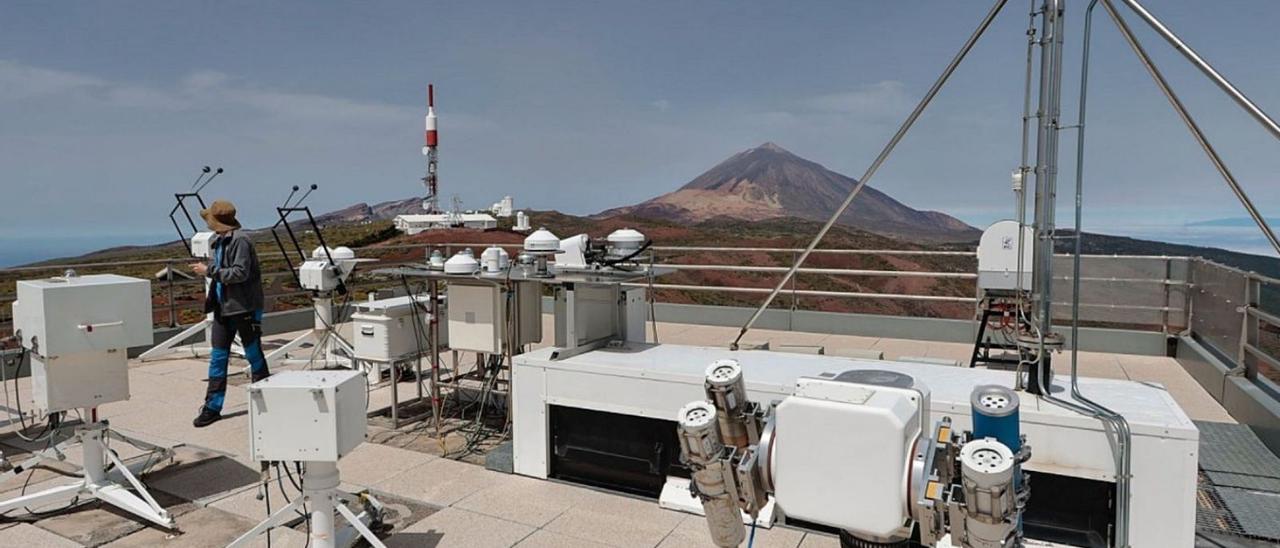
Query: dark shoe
(256, 377)
(206, 417)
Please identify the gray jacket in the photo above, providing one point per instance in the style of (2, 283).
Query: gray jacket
(239, 273)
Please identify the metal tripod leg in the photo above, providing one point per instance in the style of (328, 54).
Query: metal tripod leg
(359, 526)
(280, 356)
(53, 453)
(97, 484)
(101, 487)
(279, 517)
(56, 495)
(167, 346)
(164, 451)
(160, 350)
(296, 343)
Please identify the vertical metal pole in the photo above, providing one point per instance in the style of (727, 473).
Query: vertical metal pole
(1249, 327)
(1023, 168)
(93, 453)
(395, 392)
(1188, 296)
(1122, 452)
(434, 332)
(1255, 325)
(173, 307)
(324, 319)
(875, 165)
(320, 482)
(1168, 290)
(791, 317)
(1049, 109)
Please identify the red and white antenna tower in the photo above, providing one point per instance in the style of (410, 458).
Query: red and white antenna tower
(431, 203)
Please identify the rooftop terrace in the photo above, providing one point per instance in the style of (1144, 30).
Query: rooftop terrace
(212, 484)
(1206, 333)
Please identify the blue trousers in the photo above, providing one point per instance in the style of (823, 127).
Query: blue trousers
(225, 329)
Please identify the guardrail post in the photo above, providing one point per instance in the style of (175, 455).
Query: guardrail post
(1188, 296)
(1255, 324)
(173, 311)
(791, 315)
(1249, 335)
(1168, 289)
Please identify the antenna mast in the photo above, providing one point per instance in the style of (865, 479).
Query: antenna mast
(431, 202)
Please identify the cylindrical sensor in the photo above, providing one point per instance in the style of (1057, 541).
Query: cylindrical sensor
(728, 392)
(701, 448)
(699, 439)
(995, 415)
(987, 470)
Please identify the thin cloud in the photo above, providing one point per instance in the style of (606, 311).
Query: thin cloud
(19, 81)
(200, 90)
(888, 96)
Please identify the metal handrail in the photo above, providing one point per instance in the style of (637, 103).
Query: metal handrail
(807, 292)
(173, 289)
(827, 271)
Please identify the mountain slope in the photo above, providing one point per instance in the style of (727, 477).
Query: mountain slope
(361, 212)
(769, 182)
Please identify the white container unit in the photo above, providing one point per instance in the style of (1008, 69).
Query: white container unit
(79, 330)
(307, 415)
(651, 380)
(478, 315)
(998, 257)
(843, 454)
(384, 330)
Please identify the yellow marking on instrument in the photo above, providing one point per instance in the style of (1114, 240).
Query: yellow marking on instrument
(932, 490)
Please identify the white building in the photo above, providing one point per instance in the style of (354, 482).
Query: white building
(503, 208)
(413, 224)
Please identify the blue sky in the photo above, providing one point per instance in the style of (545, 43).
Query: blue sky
(108, 108)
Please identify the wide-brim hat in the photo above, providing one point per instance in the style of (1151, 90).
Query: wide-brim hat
(221, 216)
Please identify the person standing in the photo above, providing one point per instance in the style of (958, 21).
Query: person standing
(235, 300)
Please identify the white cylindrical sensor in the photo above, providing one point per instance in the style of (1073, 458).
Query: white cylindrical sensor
(726, 389)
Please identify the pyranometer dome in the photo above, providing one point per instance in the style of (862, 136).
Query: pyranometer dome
(542, 240)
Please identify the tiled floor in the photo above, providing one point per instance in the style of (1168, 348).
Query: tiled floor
(214, 484)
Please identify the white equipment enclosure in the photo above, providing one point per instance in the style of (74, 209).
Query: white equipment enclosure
(868, 431)
(78, 329)
(563, 406)
(307, 415)
(385, 330)
(998, 257)
(310, 420)
(481, 313)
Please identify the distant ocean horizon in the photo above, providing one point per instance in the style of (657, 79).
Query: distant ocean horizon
(1232, 237)
(18, 251)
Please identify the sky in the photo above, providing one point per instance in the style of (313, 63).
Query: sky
(108, 108)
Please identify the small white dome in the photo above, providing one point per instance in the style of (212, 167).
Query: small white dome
(542, 240)
(625, 237)
(461, 263)
(338, 254)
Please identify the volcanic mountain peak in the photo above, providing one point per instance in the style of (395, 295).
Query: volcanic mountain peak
(769, 181)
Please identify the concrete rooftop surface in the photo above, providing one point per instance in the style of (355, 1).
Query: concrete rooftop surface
(212, 485)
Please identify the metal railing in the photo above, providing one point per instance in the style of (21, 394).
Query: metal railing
(174, 296)
(1233, 311)
(1237, 313)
